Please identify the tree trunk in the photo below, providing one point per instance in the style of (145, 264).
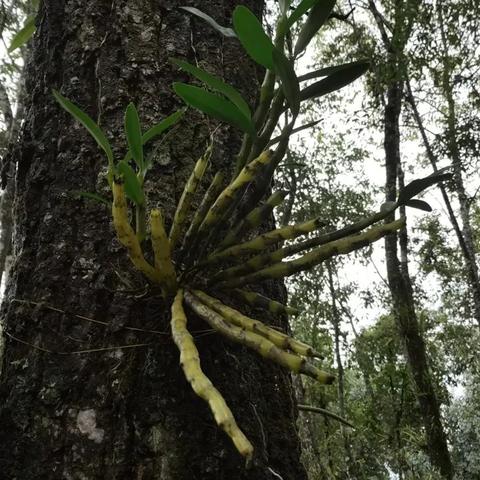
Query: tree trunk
(403, 301)
(350, 464)
(121, 413)
(454, 153)
(466, 245)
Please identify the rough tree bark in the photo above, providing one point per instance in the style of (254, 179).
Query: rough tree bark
(123, 413)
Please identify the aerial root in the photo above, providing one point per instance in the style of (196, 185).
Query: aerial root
(265, 347)
(201, 384)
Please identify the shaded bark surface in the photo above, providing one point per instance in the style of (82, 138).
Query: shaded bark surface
(402, 295)
(123, 413)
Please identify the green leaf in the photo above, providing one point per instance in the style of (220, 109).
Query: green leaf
(291, 88)
(251, 35)
(160, 127)
(213, 105)
(88, 123)
(326, 71)
(23, 35)
(133, 189)
(133, 131)
(157, 130)
(92, 196)
(420, 204)
(227, 32)
(419, 185)
(302, 8)
(316, 18)
(216, 83)
(335, 81)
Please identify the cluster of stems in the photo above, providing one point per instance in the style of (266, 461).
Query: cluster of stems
(184, 259)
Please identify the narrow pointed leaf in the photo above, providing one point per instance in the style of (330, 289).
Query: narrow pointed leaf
(421, 184)
(133, 189)
(420, 204)
(157, 130)
(252, 36)
(325, 72)
(335, 81)
(160, 127)
(23, 35)
(227, 32)
(92, 196)
(133, 132)
(302, 8)
(87, 122)
(214, 106)
(216, 83)
(317, 17)
(290, 86)
(275, 140)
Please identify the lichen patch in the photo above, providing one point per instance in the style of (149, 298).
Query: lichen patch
(87, 424)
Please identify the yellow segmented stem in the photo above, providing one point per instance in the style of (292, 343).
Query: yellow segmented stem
(256, 342)
(316, 256)
(161, 250)
(279, 339)
(201, 384)
(126, 234)
(230, 194)
(210, 195)
(268, 258)
(263, 241)
(254, 219)
(186, 198)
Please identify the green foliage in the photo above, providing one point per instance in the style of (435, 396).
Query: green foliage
(303, 7)
(337, 78)
(217, 84)
(251, 35)
(94, 130)
(133, 133)
(291, 88)
(92, 196)
(133, 189)
(213, 105)
(317, 17)
(23, 35)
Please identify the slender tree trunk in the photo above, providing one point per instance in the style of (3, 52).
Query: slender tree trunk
(403, 302)
(122, 413)
(454, 152)
(466, 247)
(350, 460)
